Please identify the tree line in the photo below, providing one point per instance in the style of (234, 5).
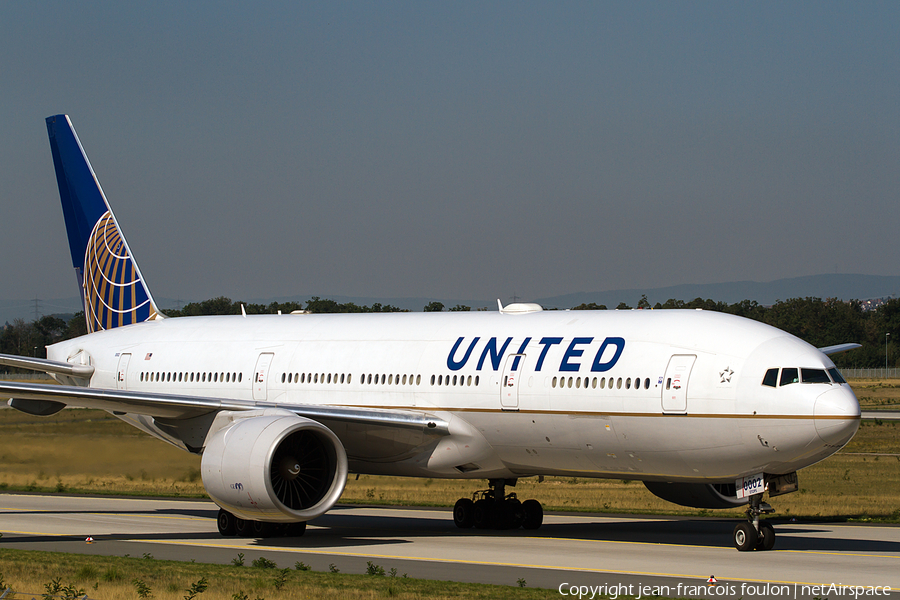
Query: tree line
(819, 322)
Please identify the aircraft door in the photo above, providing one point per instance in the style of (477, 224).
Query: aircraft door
(509, 382)
(675, 383)
(122, 372)
(261, 375)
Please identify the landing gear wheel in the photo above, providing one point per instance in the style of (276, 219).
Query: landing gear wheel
(261, 529)
(295, 529)
(513, 514)
(464, 513)
(482, 514)
(225, 521)
(534, 514)
(495, 509)
(745, 537)
(766, 536)
(242, 527)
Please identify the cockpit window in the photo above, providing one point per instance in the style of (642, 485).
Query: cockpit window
(836, 376)
(789, 375)
(814, 376)
(771, 378)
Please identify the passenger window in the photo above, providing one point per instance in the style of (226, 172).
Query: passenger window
(836, 376)
(771, 378)
(646, 383)
(628, 383)
(789, 376)
(814, 376)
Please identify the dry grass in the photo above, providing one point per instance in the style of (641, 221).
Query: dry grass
(877, 394)
(112, 578)
(92, 452)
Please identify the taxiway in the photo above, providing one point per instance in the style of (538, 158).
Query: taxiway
(569, 549)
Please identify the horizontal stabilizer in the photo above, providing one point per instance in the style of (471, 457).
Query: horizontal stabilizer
(51, 367)
(829, 350)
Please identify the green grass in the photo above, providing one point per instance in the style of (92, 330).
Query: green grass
(111, 577)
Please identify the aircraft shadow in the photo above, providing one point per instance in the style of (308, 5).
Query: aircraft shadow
(713, 533)
(341, 528)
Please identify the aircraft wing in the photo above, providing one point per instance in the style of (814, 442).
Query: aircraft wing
(829, 350)
(47, 399)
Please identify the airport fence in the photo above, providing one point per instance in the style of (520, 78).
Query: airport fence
(892, 373)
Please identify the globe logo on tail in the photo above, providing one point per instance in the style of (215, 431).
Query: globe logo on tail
(114, 294)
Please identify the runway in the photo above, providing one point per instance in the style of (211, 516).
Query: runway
(569, 549)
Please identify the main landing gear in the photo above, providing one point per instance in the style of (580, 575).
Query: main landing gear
(230, 525)
(755, 534)
(494, 509)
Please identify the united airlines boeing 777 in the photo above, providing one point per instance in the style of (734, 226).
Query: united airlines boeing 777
(707, 409)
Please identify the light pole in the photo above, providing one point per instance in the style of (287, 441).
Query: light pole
(885, 352)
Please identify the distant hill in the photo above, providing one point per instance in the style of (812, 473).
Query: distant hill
(844, 287)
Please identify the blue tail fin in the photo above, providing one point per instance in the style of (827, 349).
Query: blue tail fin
(113, 290)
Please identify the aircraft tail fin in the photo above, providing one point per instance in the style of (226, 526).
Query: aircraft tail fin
(113, 291)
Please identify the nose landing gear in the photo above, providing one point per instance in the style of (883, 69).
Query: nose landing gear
(494, 509)
(755, 534)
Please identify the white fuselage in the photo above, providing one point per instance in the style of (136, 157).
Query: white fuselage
(667, 395)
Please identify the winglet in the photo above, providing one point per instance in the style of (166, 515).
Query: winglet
(113, 291)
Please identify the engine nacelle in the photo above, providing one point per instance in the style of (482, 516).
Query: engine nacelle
(697, 495)
(274, 466)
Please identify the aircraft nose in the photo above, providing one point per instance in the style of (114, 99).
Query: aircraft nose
(837, 415)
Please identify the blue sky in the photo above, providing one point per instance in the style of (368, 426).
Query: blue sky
(457, 150)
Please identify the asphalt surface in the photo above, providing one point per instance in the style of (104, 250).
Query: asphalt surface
(569, 550)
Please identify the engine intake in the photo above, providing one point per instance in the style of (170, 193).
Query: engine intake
(273, 466)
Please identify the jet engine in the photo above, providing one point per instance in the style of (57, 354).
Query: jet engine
(697, 495)
(273, 466)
